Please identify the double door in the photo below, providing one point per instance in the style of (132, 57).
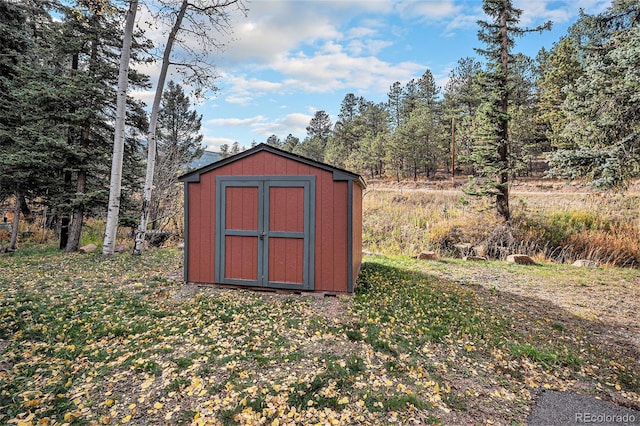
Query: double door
(265, 231)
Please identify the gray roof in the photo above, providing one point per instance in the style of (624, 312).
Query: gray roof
(338, 173)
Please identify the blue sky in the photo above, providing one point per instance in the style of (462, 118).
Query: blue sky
(291, 58)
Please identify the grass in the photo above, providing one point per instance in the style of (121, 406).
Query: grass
(87, 339)
(549, 226)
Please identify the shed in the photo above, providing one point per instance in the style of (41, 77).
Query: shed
(268, 218)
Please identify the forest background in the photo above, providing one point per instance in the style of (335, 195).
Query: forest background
(569, 113)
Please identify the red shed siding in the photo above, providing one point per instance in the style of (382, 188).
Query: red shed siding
(331, 227)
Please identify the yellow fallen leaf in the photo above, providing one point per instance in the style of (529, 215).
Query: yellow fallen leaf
(157, 405)
(343, 401)
(32, 403)
(126, 419)
(147, 383)
(109, 402)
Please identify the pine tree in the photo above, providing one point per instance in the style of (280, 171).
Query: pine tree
(559, 69)
(318, 133)
(493, 157)
(347, 132)
(90, 41)
(460, 106)
(30, 136)
(601, 107)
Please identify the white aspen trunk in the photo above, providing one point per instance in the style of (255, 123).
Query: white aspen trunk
(151, 138)
(115, 187)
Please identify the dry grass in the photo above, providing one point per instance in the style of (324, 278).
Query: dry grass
(560, 224)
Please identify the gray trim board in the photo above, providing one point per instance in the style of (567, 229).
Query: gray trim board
(338, 174)
(350, 236)
(186, 232)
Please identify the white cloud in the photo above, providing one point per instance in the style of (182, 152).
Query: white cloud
(212, 143)
(428, 10)
(236, 121)
(259, 125)
(334, 69)
(275, 27)
(536, 12)
(241, 90)
(295, 124)
(367, 47)
(145, 96)
(465, 20)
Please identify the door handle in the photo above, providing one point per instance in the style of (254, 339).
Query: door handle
(262, 235)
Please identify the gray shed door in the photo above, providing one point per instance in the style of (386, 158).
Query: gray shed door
(264, 231)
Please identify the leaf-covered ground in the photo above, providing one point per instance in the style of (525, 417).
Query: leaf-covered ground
(91, 340)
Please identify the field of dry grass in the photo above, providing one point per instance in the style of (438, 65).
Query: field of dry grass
(550, 222)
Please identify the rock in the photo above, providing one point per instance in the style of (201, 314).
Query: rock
(181, 246)
(119, 248)
(480, 250)
(585, 263)
(464, 248)
(475, 258)
(88, 248)
(520, 259)
(428, 255)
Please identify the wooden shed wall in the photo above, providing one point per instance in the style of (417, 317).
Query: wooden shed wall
(331, 224)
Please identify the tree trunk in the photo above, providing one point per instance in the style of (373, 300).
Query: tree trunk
(78, 214)
(502, 198)
(24, 208)
(64, 219)
(115, 187)
(151, 138)
(16, 221)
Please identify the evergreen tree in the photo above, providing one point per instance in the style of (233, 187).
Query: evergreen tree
(60, 125)
(273, 140)
(318, 133)
(290, 143)
(602, 127)
(526, 133)
(394, 105)
(91, 36)
(460, 105)
(493, 157)
(31, 137)
(559, 69)
(369, 156)
(347, 132)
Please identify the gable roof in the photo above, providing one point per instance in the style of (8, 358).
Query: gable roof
(338, 173)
